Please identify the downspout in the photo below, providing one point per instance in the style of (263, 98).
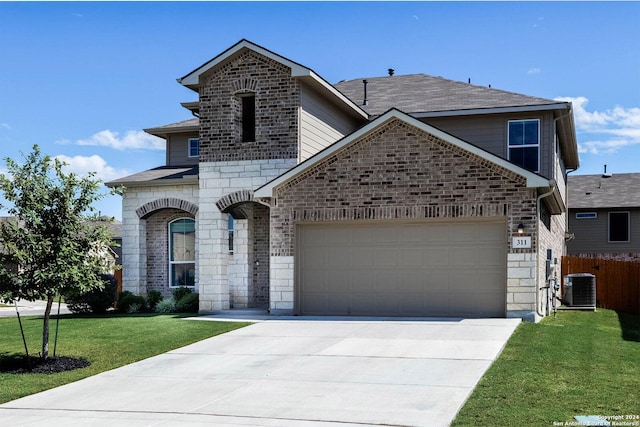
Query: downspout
(552, 183)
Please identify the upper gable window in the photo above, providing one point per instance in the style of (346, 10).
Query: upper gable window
(524, 143)
(248, 117)
(194, 147)
(619, 227)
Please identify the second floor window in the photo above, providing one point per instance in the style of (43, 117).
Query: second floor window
(524, 143)
(619, 227)
(194, 147)
(248, 118)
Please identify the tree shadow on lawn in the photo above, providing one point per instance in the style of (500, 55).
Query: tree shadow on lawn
(630, 325)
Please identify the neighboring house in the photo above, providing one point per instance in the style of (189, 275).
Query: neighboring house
(111, 255)
(398, 195)
(604, 215)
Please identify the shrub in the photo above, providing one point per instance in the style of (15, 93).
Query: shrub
(165, 306)
(153, 298)
(134, 308)
(126, 299)
(96, 300)
(188, 303)
(180, 292)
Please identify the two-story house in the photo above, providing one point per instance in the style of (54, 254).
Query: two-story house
(604, 216)
(390, 196)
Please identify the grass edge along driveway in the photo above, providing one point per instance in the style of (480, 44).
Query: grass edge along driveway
(108, 342)
(582, 363)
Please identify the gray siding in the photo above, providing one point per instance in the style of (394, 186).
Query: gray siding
(321, 124)
(178, 150)
(489, 132)
(591, 235)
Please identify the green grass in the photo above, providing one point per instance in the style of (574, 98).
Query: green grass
(582, 363)
(106, 341)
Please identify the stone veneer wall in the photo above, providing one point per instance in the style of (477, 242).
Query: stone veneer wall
(277, 97)
(218, 179)
(401, 172)
(134, 229)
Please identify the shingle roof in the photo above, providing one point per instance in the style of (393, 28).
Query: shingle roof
(156, 176)
(417, 93)
(182, 126)
(596, 191)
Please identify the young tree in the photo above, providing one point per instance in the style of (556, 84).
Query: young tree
(49, 245)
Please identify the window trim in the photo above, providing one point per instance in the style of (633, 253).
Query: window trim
(170, 248)
(628, 213)
(586, 215)
(537, 145)
(189, 141)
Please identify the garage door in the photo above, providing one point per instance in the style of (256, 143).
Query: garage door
(402, 269)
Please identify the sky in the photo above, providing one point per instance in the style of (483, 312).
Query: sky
(83, 79)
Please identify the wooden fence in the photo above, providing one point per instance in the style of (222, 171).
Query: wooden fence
(617, 282)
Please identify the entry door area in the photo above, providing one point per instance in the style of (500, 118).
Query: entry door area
(452, 269)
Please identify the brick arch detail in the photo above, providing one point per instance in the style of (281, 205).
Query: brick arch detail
(244, 86)
(230, 200)
(166, 203)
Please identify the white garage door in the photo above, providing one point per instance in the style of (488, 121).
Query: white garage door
(402, 269)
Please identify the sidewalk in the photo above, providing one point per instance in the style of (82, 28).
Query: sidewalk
(31, 308)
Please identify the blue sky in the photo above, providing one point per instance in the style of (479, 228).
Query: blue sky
(83, 79)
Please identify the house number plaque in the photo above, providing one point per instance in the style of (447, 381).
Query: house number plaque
(521, 242)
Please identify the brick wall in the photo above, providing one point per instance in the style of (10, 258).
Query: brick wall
(260, 286)
(400, 172)
(277, 98)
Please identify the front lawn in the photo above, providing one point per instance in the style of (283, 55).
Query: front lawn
(106, 341)
(582, 363)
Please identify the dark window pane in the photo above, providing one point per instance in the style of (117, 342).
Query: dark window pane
(516, 133)
(183, 274)
(248, 118)
(525, 157)
(531, 132)
(619, 227)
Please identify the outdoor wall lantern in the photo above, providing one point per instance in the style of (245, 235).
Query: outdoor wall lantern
(520, 228)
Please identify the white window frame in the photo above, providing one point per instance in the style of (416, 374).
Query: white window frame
(586, 215)
(537, 145)
(628, 227)
(197, 141)
(170, 245)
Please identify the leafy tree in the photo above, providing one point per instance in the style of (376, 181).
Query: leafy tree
(49, 246)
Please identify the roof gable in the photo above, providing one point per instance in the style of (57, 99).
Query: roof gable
(532, 180)
(192, 79)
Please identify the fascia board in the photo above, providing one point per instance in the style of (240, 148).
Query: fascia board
(335, 92)
(533, 180)
(192, 79)
(494, 110)
(193, 179)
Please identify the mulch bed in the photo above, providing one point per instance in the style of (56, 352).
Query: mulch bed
(19, 364)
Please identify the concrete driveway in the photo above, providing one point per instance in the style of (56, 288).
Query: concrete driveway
(288, 372)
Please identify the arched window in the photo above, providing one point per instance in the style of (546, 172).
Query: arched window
(182, 252)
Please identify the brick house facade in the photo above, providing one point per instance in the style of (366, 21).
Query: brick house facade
(314, 163)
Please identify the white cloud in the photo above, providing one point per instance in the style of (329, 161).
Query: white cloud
(82, 165)
(5, 125)
(604, 131)
(534, 71)
(131, 140)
